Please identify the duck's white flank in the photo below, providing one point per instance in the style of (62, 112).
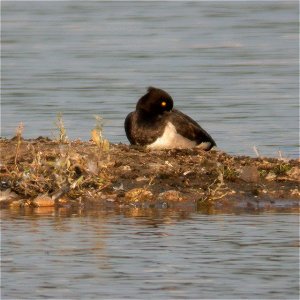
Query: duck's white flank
(172, 139)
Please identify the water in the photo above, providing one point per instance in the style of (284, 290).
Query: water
(145, 255)
(232, 66)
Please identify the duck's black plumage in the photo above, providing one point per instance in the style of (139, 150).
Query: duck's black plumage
(156, 124)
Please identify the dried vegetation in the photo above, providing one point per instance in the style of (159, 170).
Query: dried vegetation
(44, 172)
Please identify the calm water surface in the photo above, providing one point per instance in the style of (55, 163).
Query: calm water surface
(232, 66)
(146, 255)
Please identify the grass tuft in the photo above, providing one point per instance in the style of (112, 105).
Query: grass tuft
(62, 138)
(229, 173)
(97, 135)
(215, 191)
(281, 169)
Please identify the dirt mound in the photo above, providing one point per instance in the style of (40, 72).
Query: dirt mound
(43, 172)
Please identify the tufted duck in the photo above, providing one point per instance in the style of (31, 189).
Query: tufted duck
(157, 125)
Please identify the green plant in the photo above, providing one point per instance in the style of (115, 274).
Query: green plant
(281, 169)
(263, 173)
(229, 173)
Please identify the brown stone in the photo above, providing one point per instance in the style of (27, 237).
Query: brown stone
(249, 174)
(171, 195)
(43, 201)
(138, 194)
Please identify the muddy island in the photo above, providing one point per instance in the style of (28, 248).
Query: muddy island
(58, 173)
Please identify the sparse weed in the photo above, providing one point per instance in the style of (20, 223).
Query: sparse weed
(229, 173)
(263, 173)
(19, 132)
(97, 135)
(281, 169)
(62, 138)
(215, 191)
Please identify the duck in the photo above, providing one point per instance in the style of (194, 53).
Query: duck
(156, 124)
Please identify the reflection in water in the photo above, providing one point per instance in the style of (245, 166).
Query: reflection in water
(109, 254)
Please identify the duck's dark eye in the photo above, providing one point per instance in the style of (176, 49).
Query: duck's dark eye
(163, 103)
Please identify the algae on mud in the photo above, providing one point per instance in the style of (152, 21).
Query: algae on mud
(43, 172)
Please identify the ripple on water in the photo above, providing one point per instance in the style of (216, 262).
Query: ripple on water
(169, 253)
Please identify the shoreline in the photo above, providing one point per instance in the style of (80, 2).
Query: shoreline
(96, 174)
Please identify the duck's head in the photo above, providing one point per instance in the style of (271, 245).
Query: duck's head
(155, 102)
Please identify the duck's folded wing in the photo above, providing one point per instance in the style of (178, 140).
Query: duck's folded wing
(189, 128)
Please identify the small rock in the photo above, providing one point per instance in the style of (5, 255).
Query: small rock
(171, 195)
(186, 173)
(168, 164)
(7, 195)
(295, 192)
(119, 188)
(19, 203)
(249, 174)
(271, 176)
(44, 201)
(126, 168)
(92, 167)
(138, 194)
(110, 200)
(294, 173)
(141, 178)
(155, 166)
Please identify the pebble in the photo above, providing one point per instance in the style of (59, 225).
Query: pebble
(171, 195)
(44, 201)
(249, 174)
(138, 194)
